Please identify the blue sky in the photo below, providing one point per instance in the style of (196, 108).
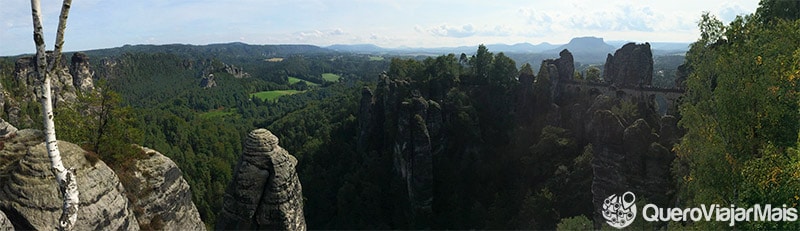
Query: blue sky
(97, 24)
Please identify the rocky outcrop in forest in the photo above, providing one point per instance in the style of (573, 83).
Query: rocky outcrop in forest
(23, 93)
(161, 197)
(412, 133)
(81, 73)
(208, 81)
(631, 65)
(29, 195)
(265, 192)
(453, 133)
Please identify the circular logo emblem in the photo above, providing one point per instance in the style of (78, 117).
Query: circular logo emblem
(619, 211)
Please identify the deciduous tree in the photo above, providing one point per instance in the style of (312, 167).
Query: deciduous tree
(66, 178)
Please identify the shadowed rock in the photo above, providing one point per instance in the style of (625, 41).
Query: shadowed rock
(265, 192)
(631, 65)
(7, 130)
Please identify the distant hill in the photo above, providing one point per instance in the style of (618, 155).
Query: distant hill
(224, 51)
(498, 47)
(357, 48)
(520, 47)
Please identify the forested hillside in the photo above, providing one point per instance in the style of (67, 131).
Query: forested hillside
(202, 129)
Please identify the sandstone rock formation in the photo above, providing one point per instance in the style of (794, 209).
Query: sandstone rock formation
(5, 224)
(265, 192)
(236, 72)
(162, 199)
(631, 65)
(66, 83)
(559, 70)
(6, 130)
(208, 81)
(628, 158)
(401, 122)
(413, 156)
(29, 195)
(81, 74)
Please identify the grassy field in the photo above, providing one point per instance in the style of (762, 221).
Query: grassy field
(273, 95)
(376, 58)
(293, 80)
(330, 77)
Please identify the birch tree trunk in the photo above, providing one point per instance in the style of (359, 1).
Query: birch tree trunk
(67, 183)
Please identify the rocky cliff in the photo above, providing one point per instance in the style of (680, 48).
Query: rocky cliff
(631, 142)
(29, 199)
(69, 80)
(265, 192)
(5, 224)
(631, 65)
(208, 81)
(400, 121)
(81, 73)
(29, 194)
(160, 196)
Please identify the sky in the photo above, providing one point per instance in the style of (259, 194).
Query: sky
(95, 24)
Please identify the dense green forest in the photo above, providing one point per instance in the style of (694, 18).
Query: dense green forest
(202, 129)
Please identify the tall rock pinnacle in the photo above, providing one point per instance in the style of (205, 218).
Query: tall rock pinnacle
(265, 192)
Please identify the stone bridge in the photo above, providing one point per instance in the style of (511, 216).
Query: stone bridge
(628, 74)
(665, 100)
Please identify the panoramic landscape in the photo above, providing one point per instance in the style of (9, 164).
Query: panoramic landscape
(384, 115)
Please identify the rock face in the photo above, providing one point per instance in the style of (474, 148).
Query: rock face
(628, 158)
(29, 197)
(400, 122)
(163, 199)
(559, 70)
(65, 84)
(236, 72)
(5, 224)
(413, 156)
(29, 194)
(208, 81)
(81, 74)
(7, 130)
(265, 192)
(631, 65)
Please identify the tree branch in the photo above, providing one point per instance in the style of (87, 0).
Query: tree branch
(62, 25)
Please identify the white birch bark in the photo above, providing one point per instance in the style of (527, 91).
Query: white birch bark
(65, 178)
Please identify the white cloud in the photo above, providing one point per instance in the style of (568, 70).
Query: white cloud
(337, 31)
(729, 11)
(445, 30)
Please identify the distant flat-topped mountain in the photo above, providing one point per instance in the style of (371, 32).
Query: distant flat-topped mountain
(585, 45)
(585, 49)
